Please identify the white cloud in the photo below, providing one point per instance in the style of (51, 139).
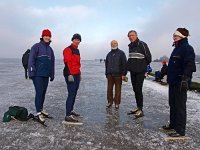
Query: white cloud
(167, 18)
(22, 24)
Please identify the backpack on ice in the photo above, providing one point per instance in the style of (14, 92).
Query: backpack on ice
(16, 112)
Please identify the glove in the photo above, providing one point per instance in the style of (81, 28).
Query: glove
(51, 79)
(31, 78)
(125, 79)
(184, 84)
(70, 78)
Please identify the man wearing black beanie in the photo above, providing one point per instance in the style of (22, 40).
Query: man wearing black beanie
(72, 76)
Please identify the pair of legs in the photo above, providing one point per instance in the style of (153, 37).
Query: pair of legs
(117, 82)
(72, 88)
(40, 84)
(177, 103)
(137, 80)
(26, 72)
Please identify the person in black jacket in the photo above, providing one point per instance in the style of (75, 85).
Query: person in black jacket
(180, 68)
(25, 58)
(139, 58)
(115, 72)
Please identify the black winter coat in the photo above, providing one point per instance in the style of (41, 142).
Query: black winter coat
(164, 70)
(25, 58)
(116, 63)
(181, 62)
(139, 57)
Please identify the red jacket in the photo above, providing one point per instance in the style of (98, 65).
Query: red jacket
(71, 60)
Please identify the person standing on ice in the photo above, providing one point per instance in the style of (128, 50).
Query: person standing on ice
(180, 69)
(139, 58)
(72, 76)
(41, 68)
(115, 72)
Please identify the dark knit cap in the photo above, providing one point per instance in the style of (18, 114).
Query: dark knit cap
(183, 31)
(76, 36)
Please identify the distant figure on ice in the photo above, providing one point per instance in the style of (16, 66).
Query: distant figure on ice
(101, 60)
(25, 58)
(139, 58)
(159, 75)
(149, 70)
(115, 72)
(41, 67)
(180, 69)
(72, 76)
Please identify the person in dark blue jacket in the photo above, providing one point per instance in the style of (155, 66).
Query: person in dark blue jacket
(180, 68)
(41, 67)
(115, 72)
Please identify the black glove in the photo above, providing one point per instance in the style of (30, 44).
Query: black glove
(31, 78)
(184, 84)
(51, 79)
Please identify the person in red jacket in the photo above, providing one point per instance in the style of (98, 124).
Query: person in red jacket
(72, 73)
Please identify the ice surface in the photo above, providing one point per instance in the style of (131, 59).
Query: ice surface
(102, 129)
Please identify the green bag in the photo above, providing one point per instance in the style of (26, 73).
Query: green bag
(19, 113)
(7, 117)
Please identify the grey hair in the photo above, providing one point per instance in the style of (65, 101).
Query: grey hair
(132, 31)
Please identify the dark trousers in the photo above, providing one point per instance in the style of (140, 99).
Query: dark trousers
(72, 88)
(117, 82)
(26, 72)
(177, 103)
(137, 80)
(40, 84)
(157, 75)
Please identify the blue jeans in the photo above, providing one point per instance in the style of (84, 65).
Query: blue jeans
(40, 84)
(72, 88)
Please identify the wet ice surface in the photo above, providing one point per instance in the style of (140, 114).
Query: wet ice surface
(102, 129)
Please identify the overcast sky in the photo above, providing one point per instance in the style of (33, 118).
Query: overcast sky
(99, 22)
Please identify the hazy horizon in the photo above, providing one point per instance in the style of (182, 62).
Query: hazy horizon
(98, 22)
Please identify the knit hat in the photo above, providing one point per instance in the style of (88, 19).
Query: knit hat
(182, 32)
(164, 62)
(76, 36)
(46, 32)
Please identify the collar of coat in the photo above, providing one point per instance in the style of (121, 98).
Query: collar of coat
(135, 43)
(180, 42)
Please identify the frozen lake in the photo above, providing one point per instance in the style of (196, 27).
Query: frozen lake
(102, 129)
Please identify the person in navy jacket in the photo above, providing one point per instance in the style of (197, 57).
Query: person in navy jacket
(180, 68)
(41, 68)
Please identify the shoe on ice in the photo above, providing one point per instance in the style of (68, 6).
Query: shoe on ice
(116, 106)
(71, 119)
(75, 114)
(109, 105)
(167, 127)
(139, 114)
(175, 134)
(135, 110)
(45, 114)
(40, 117)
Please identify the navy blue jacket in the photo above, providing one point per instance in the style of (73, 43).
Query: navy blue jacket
(116, 63)
(181, 62)
(41, 60)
